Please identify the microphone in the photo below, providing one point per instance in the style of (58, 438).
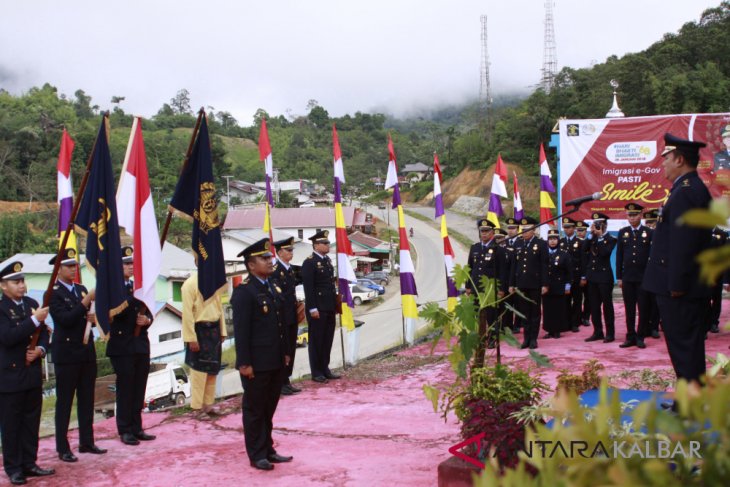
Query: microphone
(579, 201)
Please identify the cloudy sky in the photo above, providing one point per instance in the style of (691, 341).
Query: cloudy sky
(349, 55)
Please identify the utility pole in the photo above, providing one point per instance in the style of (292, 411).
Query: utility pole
(228, 191)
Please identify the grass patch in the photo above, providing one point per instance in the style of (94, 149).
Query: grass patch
(458, 236)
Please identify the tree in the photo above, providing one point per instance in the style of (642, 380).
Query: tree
(318, 117)
(180, 103)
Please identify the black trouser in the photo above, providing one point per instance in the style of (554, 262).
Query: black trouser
(78, 378)
(132, 372)
(291, 351)
(586, 312)
(654, 317)
(574, 304)
(321, 335)
(20, 420)
(553, 313)
(635, 296)
(510, 319)
(531, 310)
(260, 398)
(684, 332)
(715, 307)
(601, 295)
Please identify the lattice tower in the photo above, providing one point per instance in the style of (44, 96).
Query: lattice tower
(485, 89)
(550, 55)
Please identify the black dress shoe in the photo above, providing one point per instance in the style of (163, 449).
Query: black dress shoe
(655, 334)
(640, 343)
(286, 391)
(68, 457)
(575, 329)
(92, 449)
(714, 329)
(129, 439)
(557, 335)
(262, 464)
(321, 379)
(36, 471)
(332, 376)
(142, 436)
(594, 338)
(533, 344)
(627, 344)
(295, 390)
(546, 336)
(609, 339)
(17, 479)
(524, 345)
(276, 458)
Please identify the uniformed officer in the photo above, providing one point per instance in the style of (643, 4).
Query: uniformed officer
(722, 158)
(672, 272)
(530, 276)
(128, 350)
(560, 278)
(650, 218)
(573, 245)
(487, 258)
(719, 239)
(632, 252)
(74, 357)
(581, 230)
(599, 276)
(318, 277)
(512, 243)
(286, 279)
(21, 397)
(261, 344)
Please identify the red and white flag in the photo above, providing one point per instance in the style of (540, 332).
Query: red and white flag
(137, 216)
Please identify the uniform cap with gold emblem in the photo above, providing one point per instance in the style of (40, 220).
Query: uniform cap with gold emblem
(485, 224)
(581, 225)
(320, 237)
(599, 217)
(568, 222)
(500, 232)
(261, 248)
(286, 244)
(688, 148)
(651, 216)
(68, 257)
(127, 254)
(633, 208)
(12, 272)
(512, 223)
(553, 233)
(528, 220)
(725, 132)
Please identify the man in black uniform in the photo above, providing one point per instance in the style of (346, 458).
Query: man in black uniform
(632, 252)
(129, 351)
(285, 278)
(574, 247)
(486, 258)
(650, 218)
(74, 357)
(530, 276)
(261, 343)
(21, 397)
(672, 273)
(599, 276)
(560, 278)
(512, 243)
(581, 230)
(318, 277)
(719, 238)
(722, 158)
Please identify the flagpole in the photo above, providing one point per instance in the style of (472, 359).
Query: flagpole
(201, 113)
(64, 240)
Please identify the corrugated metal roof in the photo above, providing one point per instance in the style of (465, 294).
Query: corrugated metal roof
(286, 218)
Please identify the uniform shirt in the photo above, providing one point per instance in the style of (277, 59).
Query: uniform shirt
(284, 277)
(575, 247)
(16, 330)
(530, 269)
(318, 277)
(488, 259)
(195, 309)
(632, 252)
(560, 271)
(598, 266)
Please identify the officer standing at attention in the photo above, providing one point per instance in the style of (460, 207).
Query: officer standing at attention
(650, 218)
(74, 357)
(599, 276)
(581, 230)
(261, 344)
(128, 350)
(486, 258)
(530, 276)
(285, 278)
(719, 239)
(560, 277)
(512, 243)
(21, 396)
(672, 273)
(632, 252)
(318, 277)
(574, 247)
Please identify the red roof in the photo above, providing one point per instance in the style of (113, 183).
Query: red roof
(360, 219)
(286, 218)
(368, 241)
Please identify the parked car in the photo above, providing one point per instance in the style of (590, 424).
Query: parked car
(303, 336)
(370, 284)
(378, 276)
(381, 206)
(360, 294)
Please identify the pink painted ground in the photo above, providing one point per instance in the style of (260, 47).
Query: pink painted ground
(353, 432)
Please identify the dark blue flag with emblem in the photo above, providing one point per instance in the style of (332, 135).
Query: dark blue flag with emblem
(97, 220)
(195, 197)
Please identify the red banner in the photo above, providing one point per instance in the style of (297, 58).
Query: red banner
(620, 158)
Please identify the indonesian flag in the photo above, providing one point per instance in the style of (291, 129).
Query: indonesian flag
(499, 190)
(451, 292)
(518, 213)
(137, 215)
(66, 195)
(546, 187)
(268, 160)
(345, 273)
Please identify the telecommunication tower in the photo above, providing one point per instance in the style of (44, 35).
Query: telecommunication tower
(550, 55)
(485, 89)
